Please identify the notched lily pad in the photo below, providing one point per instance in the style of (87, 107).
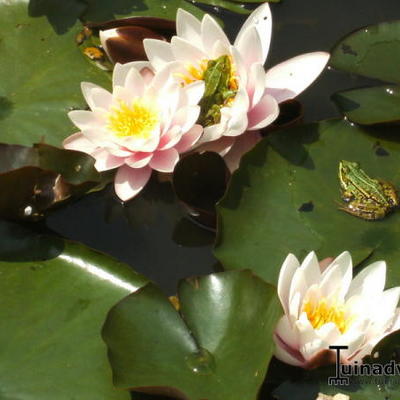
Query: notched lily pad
(370, 106)
(217, 347)
(260, 221)
(35, 179)
(55, 295)
(200, 181)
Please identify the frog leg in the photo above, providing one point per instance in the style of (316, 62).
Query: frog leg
(367, 211)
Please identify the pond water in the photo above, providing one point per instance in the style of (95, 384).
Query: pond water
(152, 233)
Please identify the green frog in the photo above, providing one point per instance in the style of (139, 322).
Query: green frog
(218, 90)
(365, 197)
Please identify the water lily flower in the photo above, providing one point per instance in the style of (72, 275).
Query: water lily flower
(144, 124)
(329, 307)
(240, 97)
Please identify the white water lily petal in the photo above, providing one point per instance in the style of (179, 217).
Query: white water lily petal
(121, 71)
(134, 83)
(261, 19)
(311, 269)
(289, 267)
(287, 333)
(158, 52)
(370, 281)
(185, 51)
(188, 27)
(288, 79)
(250, 47)
(194, 92)
(336, 279)
(212, 33)
(130, 181)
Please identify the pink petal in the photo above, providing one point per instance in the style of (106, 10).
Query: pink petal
(189, 139)
(264, 113)
(79, 142)
(243, 144)
(165, 160)
(256, 84)
(130, 181)
(261, 19)
(139, 160)
(288, 79)
(106, 161)
(221, 146)
(170, 138)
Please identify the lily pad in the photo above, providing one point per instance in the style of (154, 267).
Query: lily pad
(217, 347)
(40, 76)
(285, 198)
(369, 106)
(373, 51)
(54, 297)
(35, 179)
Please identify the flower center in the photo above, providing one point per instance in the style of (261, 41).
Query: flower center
(321, 312)
(221, 86)
(139, 119)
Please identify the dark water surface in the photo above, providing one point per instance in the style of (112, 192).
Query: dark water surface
(152, 233)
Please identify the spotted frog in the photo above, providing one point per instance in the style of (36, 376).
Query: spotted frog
(365, 197)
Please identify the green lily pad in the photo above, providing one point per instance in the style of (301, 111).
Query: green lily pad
(34, 180)
(40, 75)
(285, 197)
(373, 51)
(55, 295)
(369, 106)
(218, 346)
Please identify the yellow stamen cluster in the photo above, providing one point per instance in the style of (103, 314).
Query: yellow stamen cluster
(324, 311)
(139, 119)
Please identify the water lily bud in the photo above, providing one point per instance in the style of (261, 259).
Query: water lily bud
(123, 39)
(328, 307)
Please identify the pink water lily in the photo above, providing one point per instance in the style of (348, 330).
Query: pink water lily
(254, 103)
(144, 124)
(326, 306)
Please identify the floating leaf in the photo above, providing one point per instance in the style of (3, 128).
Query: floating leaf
(284, 199)
(369, 106)
(54, 298)
(36, 179)
(217, 347)
(40, 76)
(61, 15)
(373, 51)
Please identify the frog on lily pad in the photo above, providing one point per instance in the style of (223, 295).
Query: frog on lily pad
(365, 197)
